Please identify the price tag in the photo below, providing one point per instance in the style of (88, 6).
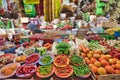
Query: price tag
(0, 2)
(68, 32)
(32, 1)
(66, 2)
(74, 31)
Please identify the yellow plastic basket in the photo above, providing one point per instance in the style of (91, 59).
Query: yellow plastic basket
(32, 1)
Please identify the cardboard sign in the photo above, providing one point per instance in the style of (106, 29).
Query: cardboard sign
(32, 1)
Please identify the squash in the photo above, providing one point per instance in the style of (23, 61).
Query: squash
(96, 56)
(97, 64)
(97, 52)
(101, 71)
(117, 66)
(112, 61)
(117, 71)
(109, 69)
(93, 60)
(94, 69)
(104, 63)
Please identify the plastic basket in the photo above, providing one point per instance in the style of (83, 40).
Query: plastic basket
(11, 50)
(117, 34)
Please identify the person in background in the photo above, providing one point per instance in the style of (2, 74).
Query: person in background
(33, 28)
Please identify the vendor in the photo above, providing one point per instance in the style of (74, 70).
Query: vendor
(33, 28)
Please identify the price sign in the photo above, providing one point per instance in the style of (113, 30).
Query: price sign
(32, 1)
(68, 32)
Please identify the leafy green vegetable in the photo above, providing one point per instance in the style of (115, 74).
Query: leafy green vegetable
(81, 70)
(107, 36)
(76, 59)
(46, 59)
(45, 70)
(94, 45)
(62, 47)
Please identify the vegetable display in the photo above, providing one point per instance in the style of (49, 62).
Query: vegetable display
(107, 36)
(42, 50)
(5, 59)
(32, 59)
(8, 70)
(76, 60)
(45, 71)
(82, 70)
(64, 72)
(29, 51)
(25, 70)
(93, 45)
(46, 59)
(62, 47)
(20, 59)
(61, 61)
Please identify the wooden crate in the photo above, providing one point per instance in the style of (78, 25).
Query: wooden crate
(109, 77)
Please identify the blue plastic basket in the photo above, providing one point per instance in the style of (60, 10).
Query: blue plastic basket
(117, 34)
(11, 50)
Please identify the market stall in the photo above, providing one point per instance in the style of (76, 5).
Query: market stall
(78, 40)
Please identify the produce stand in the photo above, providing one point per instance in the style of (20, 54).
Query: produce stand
(59, 40)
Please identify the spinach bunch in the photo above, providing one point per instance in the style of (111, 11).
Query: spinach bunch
(62, 47)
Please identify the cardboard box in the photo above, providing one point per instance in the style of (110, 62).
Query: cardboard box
(109, 24)
(110, 77)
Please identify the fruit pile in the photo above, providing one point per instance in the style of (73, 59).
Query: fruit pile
(102, 64)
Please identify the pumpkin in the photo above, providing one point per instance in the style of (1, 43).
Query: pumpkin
(97, 64)
(92, 60)
(113, 66)
(118, 62)
(104, 63)
(100, 59)
(112, 61)
(97, 52)
(109, 69)
(117, 71)
(86, 58)
(96, 56)
(83, 55)
(88, 62)
(105, 57)
(117, 66)
(90, 65)
(94, 69)
(89, 55)
(101, 71)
